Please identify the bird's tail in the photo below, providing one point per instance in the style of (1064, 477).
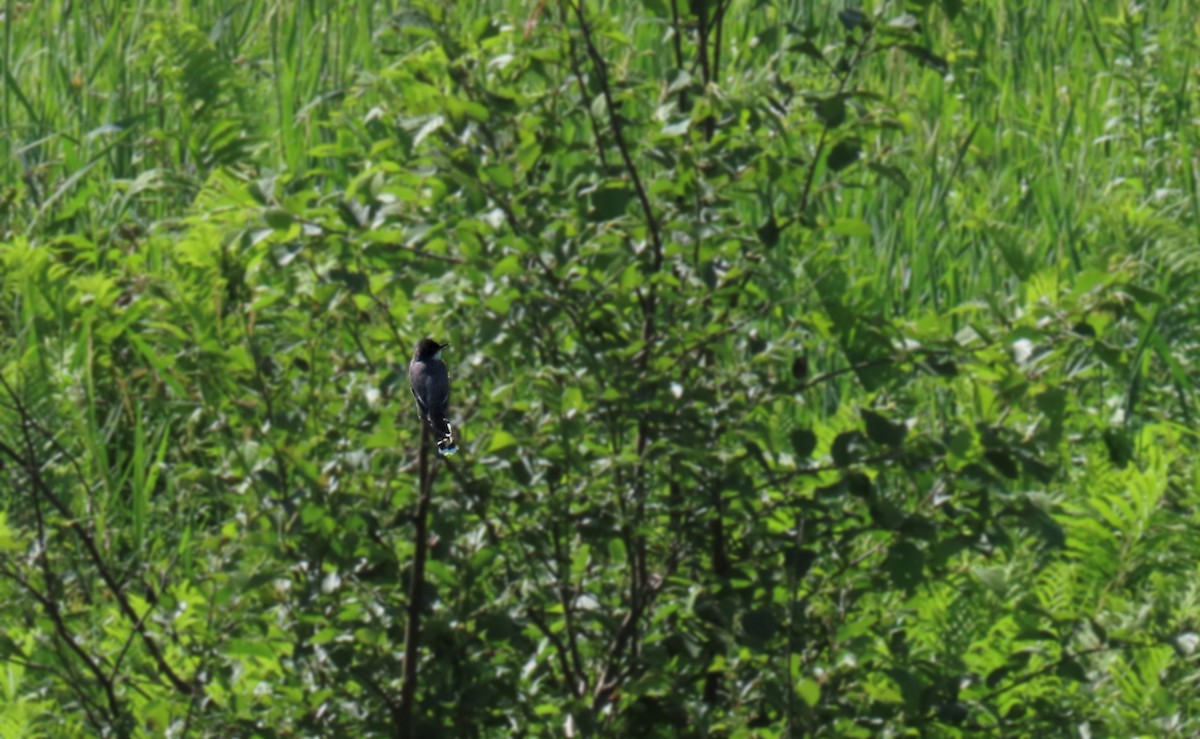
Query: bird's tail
(443, 434)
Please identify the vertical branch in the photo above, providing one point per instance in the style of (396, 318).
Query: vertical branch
(793, 596)
(700, 8)
(720, 556)
(416, 594)
(843, 80)
(641, 590)
(583, 96)
(264, 389)
(722, 569)
(719, 22)
(566, 596)
(677, 33)
(708, 70)
(618, 129)
(49, 600)
(91, 548)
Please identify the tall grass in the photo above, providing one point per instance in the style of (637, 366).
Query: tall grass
(1061, 121)
(1063, 141)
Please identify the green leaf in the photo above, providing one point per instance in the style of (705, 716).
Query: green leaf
(580, 559)
(808, 49)
(501, 175)
(324, 636)
(847, 448)
(809, 691)
(1069, 669)
(609, 201)
(159, 363)
(657, 8)
(952, 8)
(279, 220)
(616, 550)
(927, 58)
(501, 441)
(843, 154)
(804, 442)
(882, 431)
(905, 565)
(8, 542)
(832, 110)
(247, 648)
(1143, 295)
(993, 578)
(852, 19)
(892, 173)
(768, 233)
(1003, 462)
(850, 227)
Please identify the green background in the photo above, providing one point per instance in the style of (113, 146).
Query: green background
(820, 370)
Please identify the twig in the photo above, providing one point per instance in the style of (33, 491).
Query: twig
(619, 134)
(416, 594)
(50, 606)
(89, 544)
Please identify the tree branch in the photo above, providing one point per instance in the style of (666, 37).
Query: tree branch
(416, 592)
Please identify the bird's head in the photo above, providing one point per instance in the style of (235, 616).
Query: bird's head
(428, 349)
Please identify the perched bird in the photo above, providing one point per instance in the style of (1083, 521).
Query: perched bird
(430, 384)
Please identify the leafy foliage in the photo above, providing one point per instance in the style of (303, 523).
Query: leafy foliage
(798, 396)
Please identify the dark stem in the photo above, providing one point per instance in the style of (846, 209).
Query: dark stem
(676, 36)
(624, 646)
(51, 608)
(416, 595)
(566, 595)
(583, 96)
(43, 491)
(719, 22)
(619, 135)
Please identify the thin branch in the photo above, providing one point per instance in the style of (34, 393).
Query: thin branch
(577, 71)
(394, 708)
(719, 22)
(416, 593)
(619, 134)
(611, 676)
(677, 32)
(865, 364)
(565, 600)
(569, 680)
(51, 608)
(89, 543)
(349, 236)
(573, 678)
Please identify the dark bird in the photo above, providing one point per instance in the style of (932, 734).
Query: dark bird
(430, 384)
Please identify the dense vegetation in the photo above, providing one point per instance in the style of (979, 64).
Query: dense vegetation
(820, 370)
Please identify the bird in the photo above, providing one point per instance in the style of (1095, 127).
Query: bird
(430, 385)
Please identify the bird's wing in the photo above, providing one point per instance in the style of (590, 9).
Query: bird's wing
(441, 383)
(418, 381)
(420, 407)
